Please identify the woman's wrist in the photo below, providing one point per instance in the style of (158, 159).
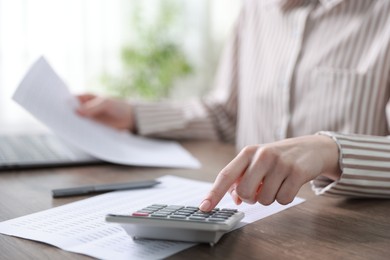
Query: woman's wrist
(331, 154)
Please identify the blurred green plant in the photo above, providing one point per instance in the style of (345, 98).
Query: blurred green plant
(153, 63)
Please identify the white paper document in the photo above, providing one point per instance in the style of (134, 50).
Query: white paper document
(80, 227)
(45, 96)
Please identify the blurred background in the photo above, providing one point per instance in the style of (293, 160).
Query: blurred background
(149, 49)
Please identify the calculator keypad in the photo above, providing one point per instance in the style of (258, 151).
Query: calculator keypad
(177, 212)
(178, 223)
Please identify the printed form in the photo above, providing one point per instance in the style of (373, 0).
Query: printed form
(80, 226)
(43, 93)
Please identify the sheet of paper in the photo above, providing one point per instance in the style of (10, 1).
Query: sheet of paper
(46, 96)
(80, 227)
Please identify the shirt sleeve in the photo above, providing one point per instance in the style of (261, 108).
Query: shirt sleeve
(365, 166)
(213, 117)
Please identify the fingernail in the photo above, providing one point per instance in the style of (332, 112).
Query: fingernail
(205, 205)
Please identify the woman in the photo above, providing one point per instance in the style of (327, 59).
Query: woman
(302, 89)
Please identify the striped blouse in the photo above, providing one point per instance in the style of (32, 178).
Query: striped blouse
(293, 68)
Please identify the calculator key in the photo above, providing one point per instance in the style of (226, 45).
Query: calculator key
(186, 211)
(229, 210)
(146, 210)
(175, 206)
(178, 216)
(197, 218)
(189, 210)
(158, 215)
(220, 216)
(163, 211)
(183, 213)
(151, 208)
(158, 205)
(201, 215)
(227, 214)
(140, 214)
(216, 219)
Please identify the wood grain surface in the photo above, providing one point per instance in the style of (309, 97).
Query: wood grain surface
(320, 228)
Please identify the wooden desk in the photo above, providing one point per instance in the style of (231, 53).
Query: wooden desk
(320, 228)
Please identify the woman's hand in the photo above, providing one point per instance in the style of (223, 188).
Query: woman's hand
(276, 171)
(111, 112)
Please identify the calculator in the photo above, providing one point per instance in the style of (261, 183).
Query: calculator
(178, 223)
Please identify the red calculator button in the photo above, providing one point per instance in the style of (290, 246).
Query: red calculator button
(140, 214)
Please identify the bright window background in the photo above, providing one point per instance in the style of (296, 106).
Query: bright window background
(82, 39)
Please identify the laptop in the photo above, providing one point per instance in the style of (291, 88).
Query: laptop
(40, 151)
